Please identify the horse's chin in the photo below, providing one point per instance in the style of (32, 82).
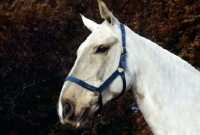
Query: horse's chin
(78, 121)
(84, 118)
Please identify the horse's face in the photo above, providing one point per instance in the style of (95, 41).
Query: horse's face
(97, 58)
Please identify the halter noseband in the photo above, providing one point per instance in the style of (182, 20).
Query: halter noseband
(122, 64)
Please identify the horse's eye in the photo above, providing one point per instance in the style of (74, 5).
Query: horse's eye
(102, 49)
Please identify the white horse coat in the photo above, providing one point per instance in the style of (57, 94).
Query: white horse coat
(166, 88)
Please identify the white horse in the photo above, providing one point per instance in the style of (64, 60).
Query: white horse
(166, 88)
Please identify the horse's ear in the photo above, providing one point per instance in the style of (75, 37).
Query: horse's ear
(91, 25)
(105, 13)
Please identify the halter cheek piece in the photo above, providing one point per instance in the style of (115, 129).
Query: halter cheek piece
(122, 64)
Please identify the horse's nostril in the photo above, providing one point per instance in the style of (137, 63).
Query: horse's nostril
(68, 109)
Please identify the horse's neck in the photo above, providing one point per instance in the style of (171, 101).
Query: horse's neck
(167, 89)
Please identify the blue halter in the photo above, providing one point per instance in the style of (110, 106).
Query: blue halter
(122, 64)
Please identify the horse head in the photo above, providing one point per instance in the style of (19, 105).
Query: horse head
(96, 76)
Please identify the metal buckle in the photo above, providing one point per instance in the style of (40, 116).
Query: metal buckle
(124, 51)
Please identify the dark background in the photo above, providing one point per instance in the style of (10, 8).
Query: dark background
(38, 43)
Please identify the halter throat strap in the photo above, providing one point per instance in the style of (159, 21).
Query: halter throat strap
(104, 85)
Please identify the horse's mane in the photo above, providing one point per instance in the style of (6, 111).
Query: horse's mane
(168, 57)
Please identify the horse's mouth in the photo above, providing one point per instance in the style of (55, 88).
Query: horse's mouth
(83, 118)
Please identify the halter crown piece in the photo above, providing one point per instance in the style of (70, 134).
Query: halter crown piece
(122, 64)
